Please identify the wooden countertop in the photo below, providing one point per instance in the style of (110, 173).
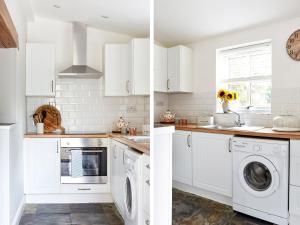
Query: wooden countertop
(264, 132)
(143, 147)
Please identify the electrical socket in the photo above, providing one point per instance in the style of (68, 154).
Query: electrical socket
(131, 109)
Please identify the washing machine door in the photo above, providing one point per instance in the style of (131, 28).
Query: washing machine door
(130, 196)
(258, 176)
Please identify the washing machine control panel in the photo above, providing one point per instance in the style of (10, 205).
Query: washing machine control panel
(259, 147)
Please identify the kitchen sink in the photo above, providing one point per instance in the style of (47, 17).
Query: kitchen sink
(242, 128)
(139, 138)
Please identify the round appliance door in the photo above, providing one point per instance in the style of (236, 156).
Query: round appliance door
(130, 196)
(258, 176)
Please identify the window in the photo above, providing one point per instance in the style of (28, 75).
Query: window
(248, 70)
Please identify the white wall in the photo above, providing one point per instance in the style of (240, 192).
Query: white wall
(82, 102)
(12, 92)
(285, 73)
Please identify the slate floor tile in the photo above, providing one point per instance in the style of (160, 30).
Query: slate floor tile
(53, 208)
(189, 209)
(86, 208)
(88, 218)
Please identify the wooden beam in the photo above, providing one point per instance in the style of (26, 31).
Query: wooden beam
(8, 32)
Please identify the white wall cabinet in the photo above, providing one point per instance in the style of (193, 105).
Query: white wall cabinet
(116, 70)
(160, 68)
(139, 66)
(212, 162)
(42, 166)
(182, 157)
(127, 68)
(180, 69)
(40, 70)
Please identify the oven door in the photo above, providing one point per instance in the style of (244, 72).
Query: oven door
(84, 165)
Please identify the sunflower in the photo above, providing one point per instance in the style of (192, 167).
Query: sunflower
(230, 96)
(235, 95)
(221, 94)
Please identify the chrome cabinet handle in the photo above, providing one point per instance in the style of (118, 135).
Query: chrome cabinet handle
(188, 140)
(84, 189)
(229, 145)
(127, 86)
(148, 166)
(52, 86)
(148, 182)
(147, 222)
(168, 84)
(57, 146)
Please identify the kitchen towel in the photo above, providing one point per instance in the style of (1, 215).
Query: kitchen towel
(76, 163)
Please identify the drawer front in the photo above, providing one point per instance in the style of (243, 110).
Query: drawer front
(295, 147)
(295, 200)
(146, 193)
(294, 170)
(84, 188)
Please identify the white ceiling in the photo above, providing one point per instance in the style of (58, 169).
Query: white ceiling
(128, 17)
(180, 22)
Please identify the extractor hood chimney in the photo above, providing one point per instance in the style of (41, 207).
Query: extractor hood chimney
(79, 69)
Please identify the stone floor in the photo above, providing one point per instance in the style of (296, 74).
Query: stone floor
(63, 214)
(189, 209)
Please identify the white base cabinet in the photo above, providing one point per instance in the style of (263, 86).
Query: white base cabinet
(145, 194)
(161, 186)
(117, 174)
(294, 207)
(42, 166)
(212, 162)
(182, 157)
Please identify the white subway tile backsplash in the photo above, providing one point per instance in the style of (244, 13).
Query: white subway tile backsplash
(83, 106)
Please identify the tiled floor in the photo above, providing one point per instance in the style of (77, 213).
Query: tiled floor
(63, 214)
(190, 209)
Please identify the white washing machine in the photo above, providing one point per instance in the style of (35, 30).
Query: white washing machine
(260, 178)
(132, 187)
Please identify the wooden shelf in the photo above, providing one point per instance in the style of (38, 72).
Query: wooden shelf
(8, 32)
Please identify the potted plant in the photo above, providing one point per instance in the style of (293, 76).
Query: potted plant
(225, 97)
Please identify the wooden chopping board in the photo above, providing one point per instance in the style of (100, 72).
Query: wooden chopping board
(50, 116)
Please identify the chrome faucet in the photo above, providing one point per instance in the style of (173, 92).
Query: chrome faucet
(238, 123)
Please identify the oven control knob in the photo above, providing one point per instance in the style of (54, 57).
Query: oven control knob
(99, 142)
(68, 143)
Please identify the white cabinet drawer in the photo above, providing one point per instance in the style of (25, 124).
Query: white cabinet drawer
(84, 188)
(295, 200)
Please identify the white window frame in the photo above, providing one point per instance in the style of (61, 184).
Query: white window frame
(220, 72)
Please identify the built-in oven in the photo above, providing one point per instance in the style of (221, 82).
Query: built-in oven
(83, 160)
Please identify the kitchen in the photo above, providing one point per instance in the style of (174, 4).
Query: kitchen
(225, 76)
(75, 114)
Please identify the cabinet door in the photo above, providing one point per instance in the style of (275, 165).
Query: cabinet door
(173, 69)
(180, 69)
(114, 169)
(212, 162)
(186, 69)
(40, 70)
(182, 157)
(160, 68)
(116, 70)
(139, 66)
(42, 166)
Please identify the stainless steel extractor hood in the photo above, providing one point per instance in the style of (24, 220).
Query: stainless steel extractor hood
(79, 69)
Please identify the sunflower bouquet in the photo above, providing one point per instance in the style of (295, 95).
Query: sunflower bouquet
(225, 97)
